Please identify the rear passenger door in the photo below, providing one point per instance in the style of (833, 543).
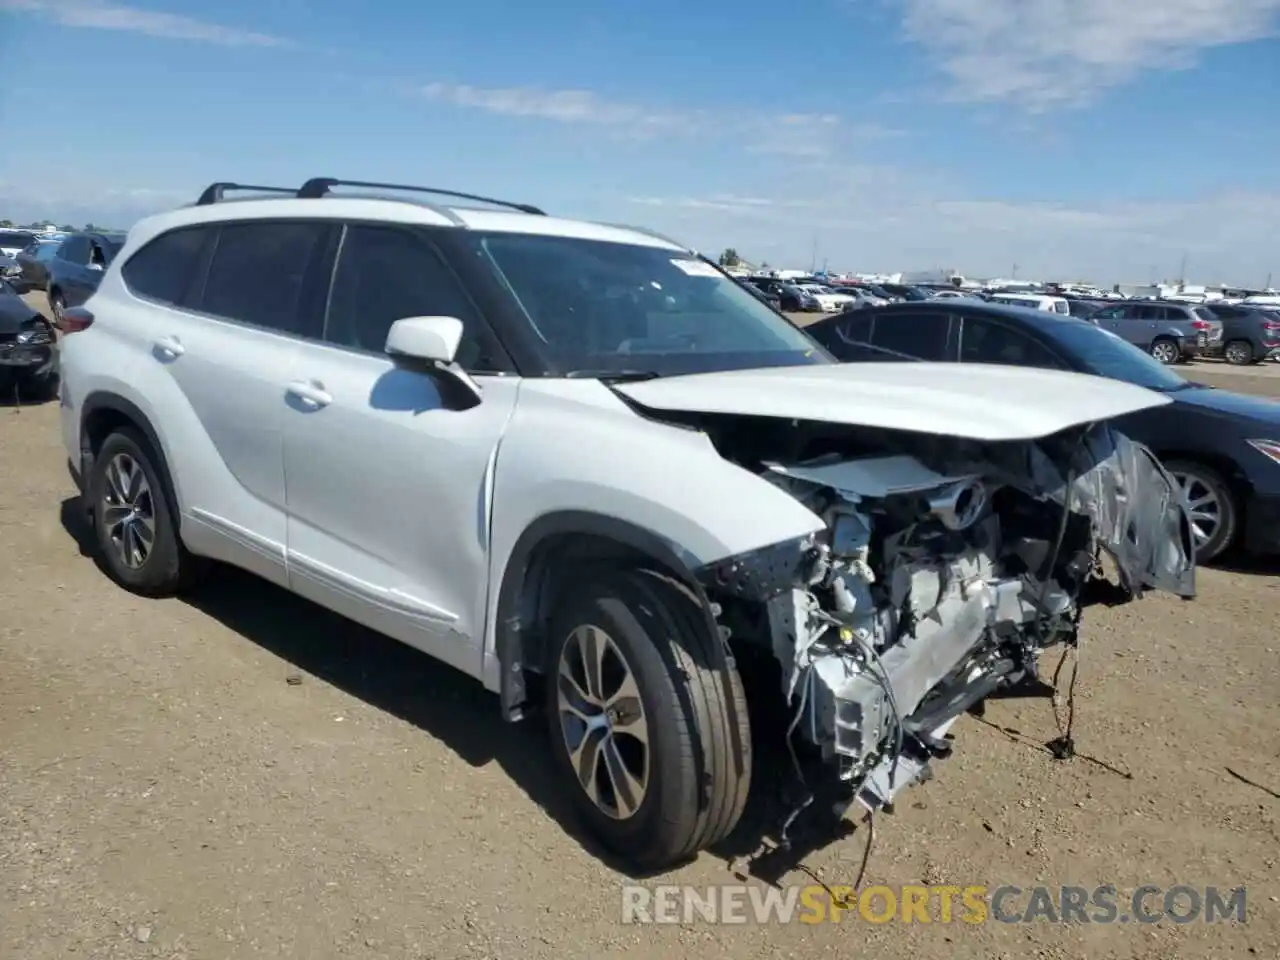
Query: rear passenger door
(73, 268)
(988, 341)
(228, 305)
(913, 335)
(388, 483)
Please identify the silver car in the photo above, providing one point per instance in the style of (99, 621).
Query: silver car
(1170, 332)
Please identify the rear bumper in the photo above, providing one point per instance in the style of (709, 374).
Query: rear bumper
(1262, 524)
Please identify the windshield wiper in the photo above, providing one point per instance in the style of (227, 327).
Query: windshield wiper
(614, 376)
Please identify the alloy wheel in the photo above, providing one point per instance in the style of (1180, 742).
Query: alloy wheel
(1165, 352)
(128, 512)
(1203, 504)
(1239, 353)
(603, 721)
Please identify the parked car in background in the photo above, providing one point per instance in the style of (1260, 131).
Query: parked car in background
(1170, 332)
(9, 268)
(11, 241)
(906, 291)
(953, 294)
(76, 268)
(1223, 447)
(33, 266)
(829, 299)
(1083, 309)
(1031, 301)
(769, 297)
(796, 299)
(861, 299)
(1250, 334)
(28, 350)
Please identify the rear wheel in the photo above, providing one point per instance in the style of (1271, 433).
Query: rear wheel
(641, 720)
(1239, 352)
(1166, 350)
(134, 523)
(1213, 507)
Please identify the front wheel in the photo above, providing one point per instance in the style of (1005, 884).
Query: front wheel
(1166, 351)
(642, 721)
(1212, 505)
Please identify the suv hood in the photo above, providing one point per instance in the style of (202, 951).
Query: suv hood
(974, 401)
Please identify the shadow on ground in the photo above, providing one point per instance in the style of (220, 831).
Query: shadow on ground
(461, 714)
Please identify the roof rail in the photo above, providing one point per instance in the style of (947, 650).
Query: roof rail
(319, 186)
(215, 191)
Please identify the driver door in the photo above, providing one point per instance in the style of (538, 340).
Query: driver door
(387, 485)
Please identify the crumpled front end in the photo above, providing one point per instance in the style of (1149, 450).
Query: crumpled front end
(943, 572)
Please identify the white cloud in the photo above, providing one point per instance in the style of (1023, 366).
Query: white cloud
(893, 224)
(1049, 53)
(791, 134)
(95, 15)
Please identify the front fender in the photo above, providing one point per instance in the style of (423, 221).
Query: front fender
(574, 448)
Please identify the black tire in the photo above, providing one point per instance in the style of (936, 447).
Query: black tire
(168, 568)
(1239, 353)
(57, 305)
(1228, 511)
(694, 797)
(1166, 347)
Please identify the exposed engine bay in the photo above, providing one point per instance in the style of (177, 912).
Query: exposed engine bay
(945, 569)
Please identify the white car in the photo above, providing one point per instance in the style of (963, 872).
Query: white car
(579, 463)
(828, 299)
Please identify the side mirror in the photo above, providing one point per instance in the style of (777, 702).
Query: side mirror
(430, 345)
(433, 339)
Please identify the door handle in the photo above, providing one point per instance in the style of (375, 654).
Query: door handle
(170, 346)
(310, 392)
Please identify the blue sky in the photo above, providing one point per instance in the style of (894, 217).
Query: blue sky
(1087, 138)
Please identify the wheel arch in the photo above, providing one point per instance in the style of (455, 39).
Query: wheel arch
(103, 413)
(542, 562)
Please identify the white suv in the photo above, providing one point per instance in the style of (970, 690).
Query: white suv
(579, 463)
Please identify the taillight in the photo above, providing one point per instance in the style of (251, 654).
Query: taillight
(1271, 327)
(1201, 324)
(75, 319)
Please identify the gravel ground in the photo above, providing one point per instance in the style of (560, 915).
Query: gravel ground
(241, 774)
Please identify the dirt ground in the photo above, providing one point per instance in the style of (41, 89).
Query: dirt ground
(241, 774)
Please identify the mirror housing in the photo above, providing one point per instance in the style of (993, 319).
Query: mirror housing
(430, 345)
(433, 339)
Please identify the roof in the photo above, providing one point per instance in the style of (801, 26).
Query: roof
(395, 210)
(1042, 320)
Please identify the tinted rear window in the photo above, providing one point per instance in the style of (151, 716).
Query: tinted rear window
(1204, 313)
(11, 238)
(162, 269)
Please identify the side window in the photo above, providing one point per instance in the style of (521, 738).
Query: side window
(257, 272)
(1109, 313)
(855, 327)
(75, 250)
(982, 341)
(162, 269)
(1150, 312)
(385, 274)
(920, 335)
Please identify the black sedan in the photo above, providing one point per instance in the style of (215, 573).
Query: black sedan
(1223, 447)
(28, 351)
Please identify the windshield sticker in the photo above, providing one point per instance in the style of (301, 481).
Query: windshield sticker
(695, 268)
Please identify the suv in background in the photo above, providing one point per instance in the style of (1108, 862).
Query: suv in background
(1170, 332)
(1250, 334)
(75, 270)
(476, 431)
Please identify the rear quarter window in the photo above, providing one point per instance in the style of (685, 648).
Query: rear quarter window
(162, 270)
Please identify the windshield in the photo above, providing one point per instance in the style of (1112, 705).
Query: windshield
(11, 238)
(600, 307)
(1106, 355)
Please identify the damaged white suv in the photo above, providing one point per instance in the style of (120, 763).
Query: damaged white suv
(583, 465)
